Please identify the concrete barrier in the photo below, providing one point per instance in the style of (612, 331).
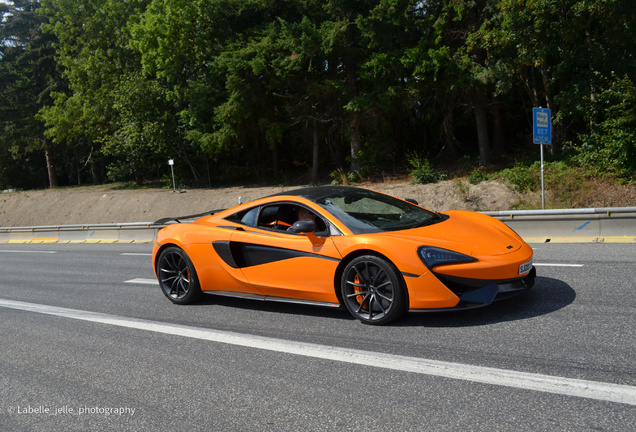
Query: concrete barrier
(613, 224)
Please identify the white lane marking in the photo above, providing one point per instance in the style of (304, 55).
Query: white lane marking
(558, 265)
(28, 251)
(137, 254)
(143, 281)
(545, 383)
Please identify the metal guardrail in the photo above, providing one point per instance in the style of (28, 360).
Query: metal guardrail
(611, 224)
(139, 232)
(561, 212)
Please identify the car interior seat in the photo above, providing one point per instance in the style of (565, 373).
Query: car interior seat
(285, 217)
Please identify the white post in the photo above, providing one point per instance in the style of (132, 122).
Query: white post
(542, 182)
(174, 186)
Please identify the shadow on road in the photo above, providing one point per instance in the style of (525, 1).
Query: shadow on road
(548, 295)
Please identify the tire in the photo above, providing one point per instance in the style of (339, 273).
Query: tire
(372, 290)
(177, 277)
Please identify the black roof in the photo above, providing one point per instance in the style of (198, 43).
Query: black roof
(315, 193)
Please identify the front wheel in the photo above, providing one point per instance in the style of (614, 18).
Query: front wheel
(372, 290)
(177, 276)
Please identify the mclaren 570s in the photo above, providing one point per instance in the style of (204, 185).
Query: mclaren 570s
(375, 255)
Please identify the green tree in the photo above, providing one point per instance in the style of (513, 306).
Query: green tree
(112, 108)
(564, 52)
(29, 75)
(612, 147)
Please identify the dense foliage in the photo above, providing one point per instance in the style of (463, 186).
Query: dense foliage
(266, 90)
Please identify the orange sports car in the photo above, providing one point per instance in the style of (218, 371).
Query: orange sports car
(377, 255)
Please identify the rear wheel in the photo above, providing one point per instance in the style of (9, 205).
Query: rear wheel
(372, 290)
(177, 276)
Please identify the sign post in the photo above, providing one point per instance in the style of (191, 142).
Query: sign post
(541, 134)
(174, 186)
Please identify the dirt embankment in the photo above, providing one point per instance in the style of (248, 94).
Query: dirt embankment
(102, 204)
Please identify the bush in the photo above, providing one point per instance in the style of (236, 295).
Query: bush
(523, 178)
(477, 176)
(423, 172)
(342, 177)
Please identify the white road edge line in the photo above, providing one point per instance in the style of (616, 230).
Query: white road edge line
(544, 383)
(143, 281)
(136, 254)
(558, 265)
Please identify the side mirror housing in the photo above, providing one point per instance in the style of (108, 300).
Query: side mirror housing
(304, 226)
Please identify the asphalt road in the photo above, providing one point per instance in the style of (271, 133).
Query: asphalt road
(67, 370)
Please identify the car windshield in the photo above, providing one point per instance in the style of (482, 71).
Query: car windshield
(364, 211)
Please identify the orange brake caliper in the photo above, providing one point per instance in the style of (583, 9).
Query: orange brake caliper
(358, 289)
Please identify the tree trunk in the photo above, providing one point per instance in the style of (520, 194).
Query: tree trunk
(449, 124)
(482, 126)
(50, 164)
(531, 85)
(352, 81)
(588, 40)
(95, 173)
(356, 141)
(78, 170)
(498, 139)
(273, 138)
(397, 135)
(275, 158)
(316, 160)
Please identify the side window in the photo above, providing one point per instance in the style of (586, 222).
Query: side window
(245, 217)
(267, 218)
(321, 226)
(279, 217)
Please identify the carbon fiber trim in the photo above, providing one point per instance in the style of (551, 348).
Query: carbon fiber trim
(240, 255)
(272, 299)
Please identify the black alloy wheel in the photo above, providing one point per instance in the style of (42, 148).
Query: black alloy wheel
(372, 290)
(177, 276)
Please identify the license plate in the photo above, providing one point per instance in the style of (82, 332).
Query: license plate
(525, 268)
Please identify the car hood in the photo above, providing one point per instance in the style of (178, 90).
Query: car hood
(472, 234)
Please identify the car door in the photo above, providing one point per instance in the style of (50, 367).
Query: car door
(284, 264)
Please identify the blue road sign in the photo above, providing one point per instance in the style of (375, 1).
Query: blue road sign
(541, 126)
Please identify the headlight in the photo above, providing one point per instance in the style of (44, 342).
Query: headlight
(433, 256)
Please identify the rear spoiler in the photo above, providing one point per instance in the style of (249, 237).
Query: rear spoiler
(178, 219)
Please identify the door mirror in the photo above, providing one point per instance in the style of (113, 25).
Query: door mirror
(304, 226)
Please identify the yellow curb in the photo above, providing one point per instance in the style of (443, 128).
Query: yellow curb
(617, 239)
(44, 240)
(573, 239)
(535, 239)
(579, 239)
